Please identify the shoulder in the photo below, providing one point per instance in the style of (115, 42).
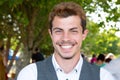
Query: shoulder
(113, 66)
(29, 67)
(28, 72)
(104, 74)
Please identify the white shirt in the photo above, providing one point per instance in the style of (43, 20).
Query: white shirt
(73, 75)
(30, 72)
(114, 68)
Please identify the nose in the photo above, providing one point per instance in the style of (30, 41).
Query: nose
(66, 36)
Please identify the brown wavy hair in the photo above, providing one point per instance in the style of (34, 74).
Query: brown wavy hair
(66, 9)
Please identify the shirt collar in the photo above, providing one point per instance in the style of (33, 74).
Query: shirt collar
(56, 66)
(77, 67)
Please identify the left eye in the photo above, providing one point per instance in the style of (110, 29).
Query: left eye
(74, 31)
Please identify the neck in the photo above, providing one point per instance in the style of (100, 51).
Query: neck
(67, 64)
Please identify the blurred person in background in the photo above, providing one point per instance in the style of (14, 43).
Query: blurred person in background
(93, 59)
(100, 60)
(110, 56)
(107, 60)
(37, 56)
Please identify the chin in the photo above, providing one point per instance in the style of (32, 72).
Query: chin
(67, 57)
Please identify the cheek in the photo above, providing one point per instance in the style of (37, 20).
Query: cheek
(55, 39)
(78, 38)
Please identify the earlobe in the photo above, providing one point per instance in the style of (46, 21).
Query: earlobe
(85, 34)
(50, 33)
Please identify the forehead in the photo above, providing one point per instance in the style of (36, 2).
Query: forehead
(67, 22)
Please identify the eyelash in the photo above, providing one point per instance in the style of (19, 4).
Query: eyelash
(74, 31)
(58, 31)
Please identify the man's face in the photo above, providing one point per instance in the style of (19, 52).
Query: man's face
(67, 36)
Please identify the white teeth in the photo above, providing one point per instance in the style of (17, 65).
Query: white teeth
(66, 47)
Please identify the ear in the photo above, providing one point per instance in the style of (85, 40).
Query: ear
(50, 33)
(85, 34)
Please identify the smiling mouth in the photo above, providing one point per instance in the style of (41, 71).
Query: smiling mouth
(66, 46)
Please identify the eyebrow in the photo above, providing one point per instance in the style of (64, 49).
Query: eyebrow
(74, 28)
(57, 28)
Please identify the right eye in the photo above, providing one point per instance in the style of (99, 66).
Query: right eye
(58, 31)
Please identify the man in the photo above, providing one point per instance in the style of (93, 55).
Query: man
(67, 31)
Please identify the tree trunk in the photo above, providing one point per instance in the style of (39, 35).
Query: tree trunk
(8, 43)
(13, 58)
